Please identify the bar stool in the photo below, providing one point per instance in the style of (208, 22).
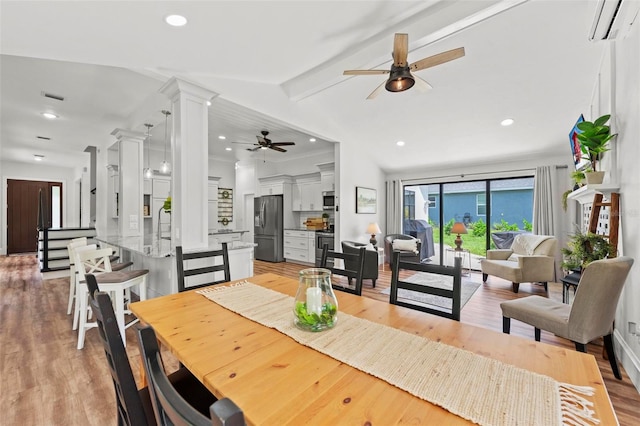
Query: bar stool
(97, 262)
(74, 247)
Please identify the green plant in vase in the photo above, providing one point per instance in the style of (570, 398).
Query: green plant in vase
(578, 178)
(594, 138)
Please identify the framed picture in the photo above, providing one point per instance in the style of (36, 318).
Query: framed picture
(366, 200)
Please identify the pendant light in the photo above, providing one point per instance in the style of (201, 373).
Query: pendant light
(164, 167)
(147, 170)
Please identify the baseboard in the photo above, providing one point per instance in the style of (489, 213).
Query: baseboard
(630, 361)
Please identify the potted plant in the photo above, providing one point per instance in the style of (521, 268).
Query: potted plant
(583, 249)
(578, 177)
(594, 137)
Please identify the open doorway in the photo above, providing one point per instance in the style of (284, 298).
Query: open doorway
(22, 212)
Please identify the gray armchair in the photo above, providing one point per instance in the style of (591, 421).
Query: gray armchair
(370, 260)
(406, 255)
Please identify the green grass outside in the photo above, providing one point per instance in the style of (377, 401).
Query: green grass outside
(475, 245)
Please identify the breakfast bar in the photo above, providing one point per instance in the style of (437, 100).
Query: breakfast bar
(158, 256)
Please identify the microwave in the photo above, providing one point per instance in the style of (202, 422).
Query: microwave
(328, 200)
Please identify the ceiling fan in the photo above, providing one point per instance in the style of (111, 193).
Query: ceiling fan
(401, 77)
(264, 143)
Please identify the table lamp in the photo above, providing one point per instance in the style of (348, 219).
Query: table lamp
(374, 229)
(458, 228)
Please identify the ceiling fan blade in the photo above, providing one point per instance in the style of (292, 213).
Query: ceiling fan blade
(400, 49)
(283, 143)
(275, 148)
(365, 72)
(438, 59)
(245, 143)
(254, 149)
(377, 91)
(421, 84)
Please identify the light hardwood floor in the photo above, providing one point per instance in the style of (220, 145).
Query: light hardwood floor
(46, 381)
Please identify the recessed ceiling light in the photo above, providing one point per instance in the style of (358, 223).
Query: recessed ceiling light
(400, 143)
(176, 20)
(222, 137)
(312, 140)
(49, 115)
(507, 122)
(208, 103)
(38, 157)
(228, 148)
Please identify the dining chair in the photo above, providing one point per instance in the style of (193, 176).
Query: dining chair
(118, 283)
(169, 406)
(453, 291)
(203, 266)
(589, 317)
(357, 260)
(134, 406)
(71, 250)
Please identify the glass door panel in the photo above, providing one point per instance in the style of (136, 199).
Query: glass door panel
(511, 209)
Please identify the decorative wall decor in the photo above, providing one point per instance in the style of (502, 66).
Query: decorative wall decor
(366, 200)
(225, 206)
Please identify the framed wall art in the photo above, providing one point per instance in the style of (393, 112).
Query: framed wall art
(366, 200)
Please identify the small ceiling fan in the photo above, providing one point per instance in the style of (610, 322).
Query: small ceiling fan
(401, 77)
(264, 143)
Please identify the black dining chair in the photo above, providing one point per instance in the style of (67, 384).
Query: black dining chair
(454, 293)
(357, 260)
(134, 405)
(193, 263)
(169, 406)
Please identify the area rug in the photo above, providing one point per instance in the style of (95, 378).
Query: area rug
(467, 290)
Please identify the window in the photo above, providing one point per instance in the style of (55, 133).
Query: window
(481, 204)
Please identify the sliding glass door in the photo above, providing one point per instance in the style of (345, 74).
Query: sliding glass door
(464, 219)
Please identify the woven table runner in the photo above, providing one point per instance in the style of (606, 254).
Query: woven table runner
(479, 389)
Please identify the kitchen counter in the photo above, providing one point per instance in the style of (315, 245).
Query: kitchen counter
(152, 247)
(226, 231)
(147, 252)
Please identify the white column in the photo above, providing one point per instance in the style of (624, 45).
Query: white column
(189, 162)
(130, 182)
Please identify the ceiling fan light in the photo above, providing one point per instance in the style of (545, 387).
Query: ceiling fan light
(400, 79)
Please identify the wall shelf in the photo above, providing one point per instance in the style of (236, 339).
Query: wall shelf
(585, 194)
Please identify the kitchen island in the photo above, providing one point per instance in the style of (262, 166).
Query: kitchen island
(158, 256)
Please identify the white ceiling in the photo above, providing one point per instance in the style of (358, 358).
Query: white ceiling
(277, 65)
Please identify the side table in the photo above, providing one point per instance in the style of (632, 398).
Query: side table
(464, 254)
(568, 281)
(381, 257)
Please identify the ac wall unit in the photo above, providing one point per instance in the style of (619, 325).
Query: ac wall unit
(613, 18)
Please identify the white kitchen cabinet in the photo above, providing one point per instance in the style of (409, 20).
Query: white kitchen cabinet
(161, 188)
(328, 181)
(147, 187)
(306, 196)
(225, 238)
(297, 246)
(272, 188)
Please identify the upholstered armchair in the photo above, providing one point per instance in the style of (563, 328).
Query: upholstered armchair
(370, 260)
(408, 246)
(531, 258)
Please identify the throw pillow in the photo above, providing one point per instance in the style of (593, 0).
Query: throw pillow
(404, 245)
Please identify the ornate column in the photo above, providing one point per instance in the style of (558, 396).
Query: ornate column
(189, 157)
(130, 191)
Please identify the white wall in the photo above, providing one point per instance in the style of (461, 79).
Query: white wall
(627, 119)
(42, 172)
(354, 168)
(224, 170)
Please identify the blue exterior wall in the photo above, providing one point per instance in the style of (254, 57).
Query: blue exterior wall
(510, 205)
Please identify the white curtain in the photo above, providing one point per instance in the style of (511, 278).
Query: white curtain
(543, 201)
(394, 199)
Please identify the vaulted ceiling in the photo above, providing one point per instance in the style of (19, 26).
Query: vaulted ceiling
(278, 65)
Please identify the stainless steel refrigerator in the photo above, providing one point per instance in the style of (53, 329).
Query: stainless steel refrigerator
(268, 228)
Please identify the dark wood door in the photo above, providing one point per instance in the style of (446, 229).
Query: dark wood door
(22, 213)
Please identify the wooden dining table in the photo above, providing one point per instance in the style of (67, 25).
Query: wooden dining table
(277, 381)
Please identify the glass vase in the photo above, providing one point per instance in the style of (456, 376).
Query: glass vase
(315, 307)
